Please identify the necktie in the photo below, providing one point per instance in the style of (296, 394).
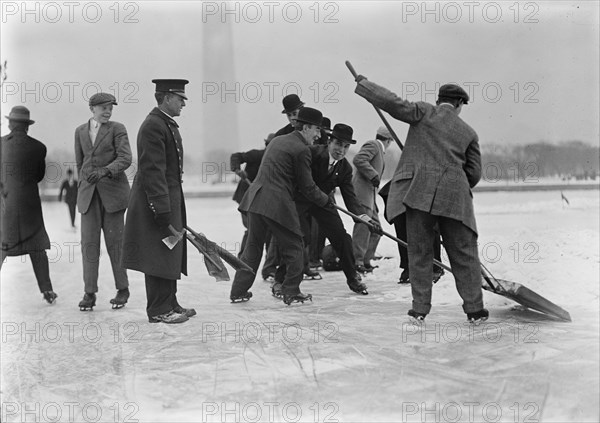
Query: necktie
(331, 167)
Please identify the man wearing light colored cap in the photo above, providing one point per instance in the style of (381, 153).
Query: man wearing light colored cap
(23, 166)
(156, 204)
(102, 154)
(369, 163)
(440, 164)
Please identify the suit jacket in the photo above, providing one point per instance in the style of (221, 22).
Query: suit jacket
(285, 169)
(111, 151)
(341, 177)
(156, 189)
(23, 166)
(369, 163)
(441, 160)
(252, 159)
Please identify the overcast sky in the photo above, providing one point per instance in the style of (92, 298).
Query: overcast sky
(531, 68)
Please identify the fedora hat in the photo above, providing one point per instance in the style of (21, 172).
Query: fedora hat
(20, 114)
(343, 133)
(291, 102)
(310, 116)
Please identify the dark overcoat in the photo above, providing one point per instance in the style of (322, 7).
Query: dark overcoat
(340, 176)
(285, 169)
(252, 159)
(23, 167)
(156, 189)
(111, 151)
(441, 160)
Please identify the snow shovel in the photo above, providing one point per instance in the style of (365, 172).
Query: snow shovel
(513, 290)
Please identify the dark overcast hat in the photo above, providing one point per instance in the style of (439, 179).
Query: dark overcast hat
(291, 102)
(101, 98)
(343, 133)
(310, 116)
(175, 86)
(454, 91)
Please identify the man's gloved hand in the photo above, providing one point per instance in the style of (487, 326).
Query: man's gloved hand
(330, 203)
(360, 78)
(97, 174)
(242, 174)
(365, 218)
(375, 228)
(163, 219)
(376, 181)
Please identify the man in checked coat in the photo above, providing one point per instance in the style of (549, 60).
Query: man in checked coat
(369, 163)
(102, 154)
(440, 164)
(156, 203)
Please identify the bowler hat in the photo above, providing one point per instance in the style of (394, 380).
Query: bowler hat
(175, 86)
(453, 91)
(101, 98)
(343, 133)
(291, 102)
(326, 125)
(310, 116)
(20, 114)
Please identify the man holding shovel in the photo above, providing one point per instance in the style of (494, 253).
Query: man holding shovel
(440, 164)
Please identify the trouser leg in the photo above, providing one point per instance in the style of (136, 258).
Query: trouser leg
(400, 227)
(419, 228)
(113, 225)
(91, 226)
(160, 295)
(373, 238)
(252, 255)
(39, 261)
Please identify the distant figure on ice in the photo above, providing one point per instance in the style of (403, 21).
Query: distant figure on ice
(270, 206)
(102, 153)
(23, 230)
(69, 190)
(440, 164)
(369, 163)
(156, 204)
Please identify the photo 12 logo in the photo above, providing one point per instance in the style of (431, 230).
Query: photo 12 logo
(470, 11)
(66, 91)
(269, 12)
(69, 11)
(271, 91)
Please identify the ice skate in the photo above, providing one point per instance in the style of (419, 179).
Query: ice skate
(416, 318)
(241, 298)
(404, 278)
(269, 278)
(312, 275)
(120, 299)
(363, 270)
(169, 318)
(189, 312)
(478, 317)
(358, 287)
(316, 265)
(88, 302)
(297, 298)
(276, 291)
(49, 296)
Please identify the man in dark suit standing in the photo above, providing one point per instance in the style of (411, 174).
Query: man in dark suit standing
(69, 189)
(23, 166)
(156, 204)
(102, 153)
(440, 164)
(330, 169)
(270, 205)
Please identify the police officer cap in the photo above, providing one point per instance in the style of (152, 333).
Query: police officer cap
(310, 116)
(102, 98)
(175, 86)
(454, 91)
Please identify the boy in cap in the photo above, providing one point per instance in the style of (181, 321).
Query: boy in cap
(157, 204)
(369, 163)
(102, 154)
(440, 164)
(23, 167)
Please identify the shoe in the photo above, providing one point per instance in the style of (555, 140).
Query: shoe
(415, 317)
(88, 302)
(362, 269)
(297, 298)
(437, 274)
(269, 278)
(49, 296)
(241, 298)
(478, 317)
(358, 287)
(189, 312)
(120, 299)
(404, 278)
(310, 274)
(276, 290)
(316, 265)
(370, 267)
(170, 317)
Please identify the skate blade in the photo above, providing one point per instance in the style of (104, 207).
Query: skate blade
(312, 278)
(477, 322)
(298, 301)
(116, 306)
(416, 321)
(240, 300)
(86, 308)
(278, 296)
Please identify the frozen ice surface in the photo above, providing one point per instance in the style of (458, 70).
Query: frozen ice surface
(342, 357)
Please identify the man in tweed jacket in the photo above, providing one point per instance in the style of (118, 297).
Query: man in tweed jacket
(440, 164)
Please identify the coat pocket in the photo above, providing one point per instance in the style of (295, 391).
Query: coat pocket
(403, 174)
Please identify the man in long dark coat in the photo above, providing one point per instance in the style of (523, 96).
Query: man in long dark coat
(156, 203)
(23, 229)
(270, 204)
(440, 164)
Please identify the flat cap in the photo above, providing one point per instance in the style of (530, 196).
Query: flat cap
(383, 133)
(453, 91)
(101, 98)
